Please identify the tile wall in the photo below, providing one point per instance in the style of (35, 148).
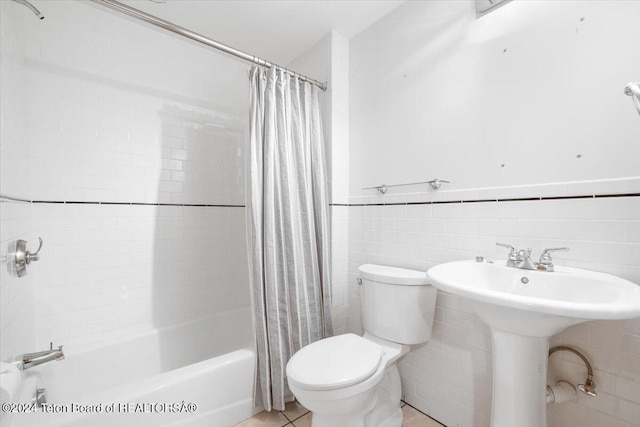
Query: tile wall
(114, 118)
(114, 270)
(450, 378)
(104, 120)
(340, 268)
(17, 326)
(17, 296)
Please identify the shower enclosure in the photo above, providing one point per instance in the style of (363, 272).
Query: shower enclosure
(123, 148)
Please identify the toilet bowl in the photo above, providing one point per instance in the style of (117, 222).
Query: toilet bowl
(353, 381)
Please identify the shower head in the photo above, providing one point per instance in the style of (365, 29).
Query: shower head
(633, 90)
(31, 7)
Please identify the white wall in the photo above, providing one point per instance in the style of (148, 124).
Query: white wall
(530, 86)
(328, 61)
(340, 177)
(119, 117)
(433, 93)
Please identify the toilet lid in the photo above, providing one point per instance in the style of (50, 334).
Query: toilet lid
(393, 275)
(334, 362)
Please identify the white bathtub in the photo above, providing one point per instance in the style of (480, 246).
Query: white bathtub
(190, 375)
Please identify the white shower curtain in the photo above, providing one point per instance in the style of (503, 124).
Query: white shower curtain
(288, 226)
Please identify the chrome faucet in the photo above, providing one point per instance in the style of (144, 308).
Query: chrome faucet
(29, 360)
(522, 258)
(524, 261)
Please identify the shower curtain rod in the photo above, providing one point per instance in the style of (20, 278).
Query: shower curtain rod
(143, 16)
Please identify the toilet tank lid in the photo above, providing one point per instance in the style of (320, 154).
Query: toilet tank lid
(335, 362)
(393, 275)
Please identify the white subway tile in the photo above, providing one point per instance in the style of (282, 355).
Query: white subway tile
(601, 239)
(630, 411)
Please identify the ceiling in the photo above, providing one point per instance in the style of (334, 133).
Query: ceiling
(275, 30)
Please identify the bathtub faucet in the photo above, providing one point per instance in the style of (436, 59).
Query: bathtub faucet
(29, 360)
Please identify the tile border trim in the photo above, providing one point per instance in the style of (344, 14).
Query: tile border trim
(5, 198)
(510, 199)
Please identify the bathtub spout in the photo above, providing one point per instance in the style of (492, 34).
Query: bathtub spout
(29, 360)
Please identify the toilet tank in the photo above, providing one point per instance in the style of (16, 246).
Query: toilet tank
(397, 304)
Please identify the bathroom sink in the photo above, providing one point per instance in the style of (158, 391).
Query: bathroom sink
(537, 303)
(523, 308)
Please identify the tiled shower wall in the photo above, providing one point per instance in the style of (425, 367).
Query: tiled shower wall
(114, 270)
(450, 378)
(113, 117)
(131, 160)
(17, 326)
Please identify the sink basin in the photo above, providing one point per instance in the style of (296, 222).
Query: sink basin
(523, 309)
(554, 300)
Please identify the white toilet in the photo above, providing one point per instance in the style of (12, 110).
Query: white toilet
(353, 381)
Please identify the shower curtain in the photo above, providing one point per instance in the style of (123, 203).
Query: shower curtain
(288, 226)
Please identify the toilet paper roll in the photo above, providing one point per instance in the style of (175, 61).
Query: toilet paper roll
(10, 378)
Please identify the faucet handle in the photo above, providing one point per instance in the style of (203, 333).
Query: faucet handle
(545, 258)
(512, 250)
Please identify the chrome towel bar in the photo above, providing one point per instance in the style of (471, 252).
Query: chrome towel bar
(434, 183)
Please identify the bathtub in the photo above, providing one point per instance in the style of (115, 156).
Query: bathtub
(196, 374)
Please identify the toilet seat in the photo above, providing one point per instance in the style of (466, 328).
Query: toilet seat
(335, 362)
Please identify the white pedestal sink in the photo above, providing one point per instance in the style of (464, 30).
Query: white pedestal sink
(523, 309)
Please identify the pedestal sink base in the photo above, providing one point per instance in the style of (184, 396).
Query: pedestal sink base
(519, 380)
(524, 308)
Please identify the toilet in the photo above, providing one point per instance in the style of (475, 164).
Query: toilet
(353, 381)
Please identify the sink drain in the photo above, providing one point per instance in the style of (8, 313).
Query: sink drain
(524, 280)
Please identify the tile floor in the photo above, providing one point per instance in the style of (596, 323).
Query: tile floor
(296, 415)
